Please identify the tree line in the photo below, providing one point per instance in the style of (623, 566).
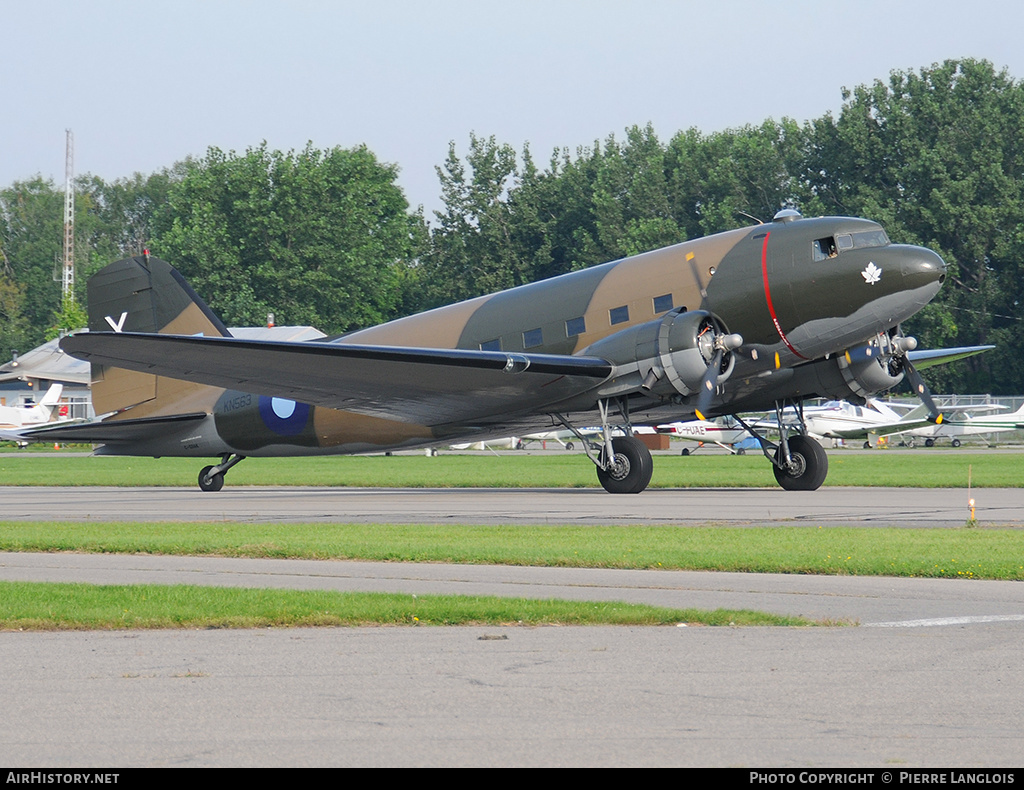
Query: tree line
(327, 238)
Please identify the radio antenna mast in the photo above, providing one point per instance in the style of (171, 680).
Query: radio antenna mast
(68, 275)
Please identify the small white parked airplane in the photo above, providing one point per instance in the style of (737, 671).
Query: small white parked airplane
(726, 432)
(847, 421)
(875, 419)
(962, 422)
(33, 413)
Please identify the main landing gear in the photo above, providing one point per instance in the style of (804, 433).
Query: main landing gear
(624, 464)
(630, 468)
(798, 462)
(211, 478)
(806, 468)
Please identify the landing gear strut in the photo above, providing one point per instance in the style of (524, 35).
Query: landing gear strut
(211, 478)
(799, 462)
(624, 464)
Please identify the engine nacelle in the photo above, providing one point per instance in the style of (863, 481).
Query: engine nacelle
(672, 353)
(857, 379)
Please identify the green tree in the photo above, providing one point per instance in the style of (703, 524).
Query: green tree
(13, 327)
(474, 247)
(316, 237)
(937, 156)
(70, 317)
(32, 215)
(128, 212)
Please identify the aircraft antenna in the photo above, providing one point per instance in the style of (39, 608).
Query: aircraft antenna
(750, 216)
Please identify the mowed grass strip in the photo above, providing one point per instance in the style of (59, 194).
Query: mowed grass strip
(932, 469)
(938, 553)
(42, 606)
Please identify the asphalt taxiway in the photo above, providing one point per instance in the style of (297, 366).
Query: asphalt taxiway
(918, 507)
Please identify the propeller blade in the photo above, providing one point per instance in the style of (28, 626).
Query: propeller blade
(922, 391)
(708, 384)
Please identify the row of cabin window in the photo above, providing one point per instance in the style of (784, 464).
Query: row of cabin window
(532, 338)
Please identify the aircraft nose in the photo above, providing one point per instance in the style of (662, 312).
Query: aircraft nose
(921, 267)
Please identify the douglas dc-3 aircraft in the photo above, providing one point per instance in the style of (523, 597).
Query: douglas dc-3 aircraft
(747, 320)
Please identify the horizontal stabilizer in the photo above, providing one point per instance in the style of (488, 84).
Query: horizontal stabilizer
(102, 432)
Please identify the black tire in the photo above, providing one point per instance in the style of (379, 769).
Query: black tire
(632, 471)
(955, 443)
(741, 451)
(929, 442)
(214, 483)
(569, 445)
(685, 451)
(809, 467)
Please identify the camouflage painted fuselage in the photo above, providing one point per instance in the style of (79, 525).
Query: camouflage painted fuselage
(800, 292)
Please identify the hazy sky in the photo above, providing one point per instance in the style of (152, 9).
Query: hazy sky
(144, 84)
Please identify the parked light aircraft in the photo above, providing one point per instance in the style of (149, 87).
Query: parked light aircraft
(875, 419)
(963, 422)
(840, 419)
(32, 414)
(726, 432)
(746, 320)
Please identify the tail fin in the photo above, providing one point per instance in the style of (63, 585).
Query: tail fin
(145, 294)
(50, 400)
(52, 396)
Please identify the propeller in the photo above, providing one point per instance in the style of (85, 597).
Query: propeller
(934, 415)
(897, 350)
(720, 344)
(902, 345)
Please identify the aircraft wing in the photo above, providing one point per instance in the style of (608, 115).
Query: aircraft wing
(940, 356)
(419, 385)
(884, 429)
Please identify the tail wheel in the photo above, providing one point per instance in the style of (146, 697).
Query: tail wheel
(808, 465)
(631, 467)
(208, 482)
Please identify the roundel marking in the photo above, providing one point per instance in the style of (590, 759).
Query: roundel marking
(284, 417)
(282, 408)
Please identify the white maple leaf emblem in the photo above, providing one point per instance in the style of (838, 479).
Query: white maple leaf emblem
(872, 274)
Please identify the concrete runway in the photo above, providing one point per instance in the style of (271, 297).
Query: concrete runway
(930, 676)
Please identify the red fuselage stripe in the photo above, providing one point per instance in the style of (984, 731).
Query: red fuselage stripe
(768, 297)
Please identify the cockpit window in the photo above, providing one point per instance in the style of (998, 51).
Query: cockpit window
(830, 247)
(870, 238)
(823, 249)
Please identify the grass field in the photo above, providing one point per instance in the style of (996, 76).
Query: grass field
(946, 553)
(930, 468)
(33, 606)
